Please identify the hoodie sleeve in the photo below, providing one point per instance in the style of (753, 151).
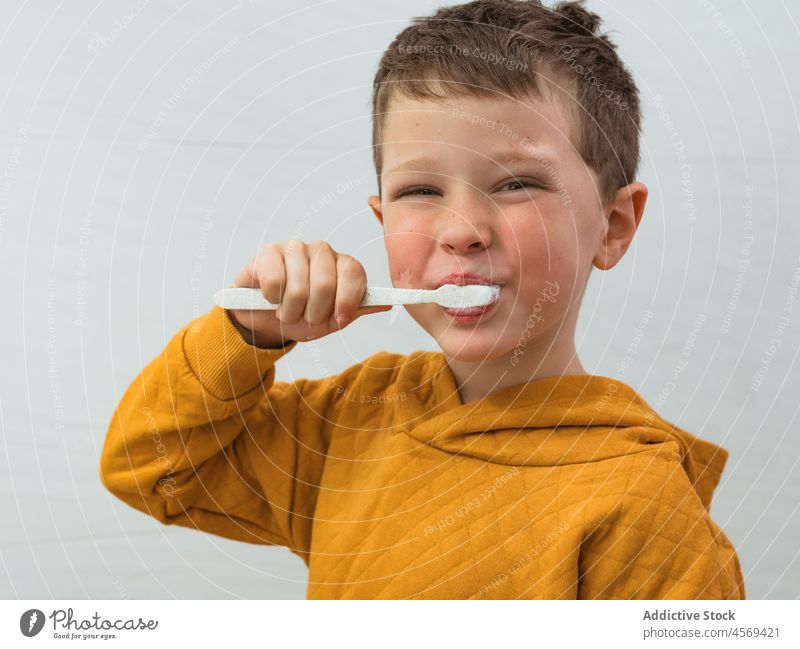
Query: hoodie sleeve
(205, 438)
(659, 543)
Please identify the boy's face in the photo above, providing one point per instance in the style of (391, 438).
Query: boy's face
(454, 201)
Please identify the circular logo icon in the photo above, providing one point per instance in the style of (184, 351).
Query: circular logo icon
(31, 622)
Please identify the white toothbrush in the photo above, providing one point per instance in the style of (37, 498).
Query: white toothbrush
(449, 295)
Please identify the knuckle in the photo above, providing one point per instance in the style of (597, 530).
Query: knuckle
(270, 283)
(296, 294)
(285, 315)
(273, 281)
(351, 268)
(264, 253)
(293, 245)
(319, 254)
(271, 292)
(326, 285)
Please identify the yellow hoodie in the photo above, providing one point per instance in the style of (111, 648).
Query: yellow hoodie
(388, 486)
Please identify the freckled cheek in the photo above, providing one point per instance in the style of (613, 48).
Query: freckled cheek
(545, 258)
(526, 247)
(407, 251)
(546, 242)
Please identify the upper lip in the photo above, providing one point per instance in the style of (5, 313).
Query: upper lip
(464, 279)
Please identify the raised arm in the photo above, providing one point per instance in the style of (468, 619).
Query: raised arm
(205, 438)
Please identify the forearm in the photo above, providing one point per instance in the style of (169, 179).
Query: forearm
(178, 418)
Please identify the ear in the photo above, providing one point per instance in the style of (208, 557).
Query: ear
(375, 203)
(622, 217)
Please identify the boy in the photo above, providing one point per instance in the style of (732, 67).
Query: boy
(506, 140)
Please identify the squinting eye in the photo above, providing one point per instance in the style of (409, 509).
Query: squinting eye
(523, 184)
(417, 191)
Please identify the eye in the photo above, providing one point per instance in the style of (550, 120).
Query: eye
(417, 191)
(521, 184)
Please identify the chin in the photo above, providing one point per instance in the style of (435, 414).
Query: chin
(470, 346)
(466, 343)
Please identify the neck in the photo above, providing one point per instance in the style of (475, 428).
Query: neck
(542, 357)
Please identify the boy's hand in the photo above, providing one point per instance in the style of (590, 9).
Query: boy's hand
(311, 283)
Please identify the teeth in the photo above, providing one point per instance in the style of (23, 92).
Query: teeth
(495, 291)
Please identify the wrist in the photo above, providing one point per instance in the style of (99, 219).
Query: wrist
(258, 339)
(220, 359)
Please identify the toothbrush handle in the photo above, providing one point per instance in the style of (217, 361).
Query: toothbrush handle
(379, 295)
(250, 299)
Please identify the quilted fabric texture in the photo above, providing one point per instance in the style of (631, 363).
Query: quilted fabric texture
(388, 486)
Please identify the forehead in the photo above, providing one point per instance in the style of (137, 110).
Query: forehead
(460, 125)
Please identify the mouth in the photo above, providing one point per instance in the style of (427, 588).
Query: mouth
(472, 314)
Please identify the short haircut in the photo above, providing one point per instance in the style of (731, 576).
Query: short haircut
(515, 49)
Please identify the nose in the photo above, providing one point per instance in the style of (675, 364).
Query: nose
(466, 230)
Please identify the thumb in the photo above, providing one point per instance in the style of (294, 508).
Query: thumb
(364, 310)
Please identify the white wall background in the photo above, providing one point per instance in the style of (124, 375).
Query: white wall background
(148, 149)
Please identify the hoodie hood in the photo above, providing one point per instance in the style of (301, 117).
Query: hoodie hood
(559, 420)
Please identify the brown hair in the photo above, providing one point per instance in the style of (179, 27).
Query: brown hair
(509, 48)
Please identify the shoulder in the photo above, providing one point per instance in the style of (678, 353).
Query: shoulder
(650, 492)
(658, 541)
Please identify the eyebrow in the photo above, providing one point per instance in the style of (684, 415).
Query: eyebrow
(507, 157)
(501, 157)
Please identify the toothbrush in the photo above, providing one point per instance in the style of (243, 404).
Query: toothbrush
(449, 295)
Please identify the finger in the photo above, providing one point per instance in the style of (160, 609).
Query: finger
(270, 273)
(364, 310)
(295, 296)
(323, 279)
(350, 288)
(247, 277)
